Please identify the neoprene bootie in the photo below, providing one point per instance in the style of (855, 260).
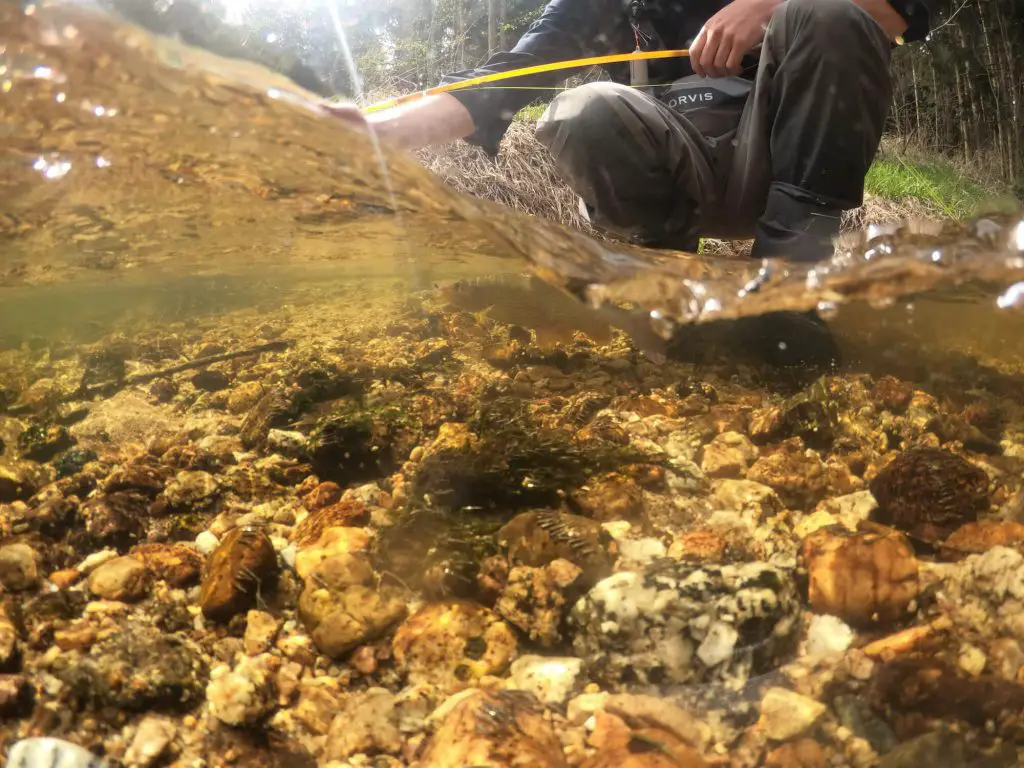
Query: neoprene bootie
(796, 226)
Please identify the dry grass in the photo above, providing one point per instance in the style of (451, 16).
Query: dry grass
(523, 178)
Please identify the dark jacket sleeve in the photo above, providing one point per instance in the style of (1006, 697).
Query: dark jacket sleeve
(918, 15)
(567, 29)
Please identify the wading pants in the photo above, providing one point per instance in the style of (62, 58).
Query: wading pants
(797, 146)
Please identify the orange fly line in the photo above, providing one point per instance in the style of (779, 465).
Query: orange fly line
(522, 72)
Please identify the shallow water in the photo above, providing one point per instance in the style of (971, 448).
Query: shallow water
(218, 321)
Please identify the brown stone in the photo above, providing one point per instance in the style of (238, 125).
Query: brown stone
(892, 394)
(177, 564)
(340, 514)
(538, 538)
(506, 729)
(804, 753)
(980, 537)
(863, 578)
(17, 696)
(795, 473)
(619, 746)
(65, 578)
(612, 497)
(324, 495)
(452, 643)
(342, 619)
(123, 578)
(929, 493)
(243, 564)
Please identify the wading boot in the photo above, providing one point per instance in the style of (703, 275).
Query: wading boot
(798, 227)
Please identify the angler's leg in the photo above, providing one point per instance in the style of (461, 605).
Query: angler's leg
(813, 126)
(643, 172)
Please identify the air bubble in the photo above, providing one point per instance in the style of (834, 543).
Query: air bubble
(828, 310)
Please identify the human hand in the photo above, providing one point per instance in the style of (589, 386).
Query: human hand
(347, 113)
(719, 47)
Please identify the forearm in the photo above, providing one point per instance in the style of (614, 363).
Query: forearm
(431, 120)
(882, 12)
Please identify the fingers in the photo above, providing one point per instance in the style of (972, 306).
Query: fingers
(734, 64)
(697, 52)
(348, 113)
(725, 53)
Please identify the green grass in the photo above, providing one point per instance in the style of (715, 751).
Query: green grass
(937, 184)
(531, 113)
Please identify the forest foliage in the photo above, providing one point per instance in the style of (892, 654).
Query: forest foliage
(959, 94)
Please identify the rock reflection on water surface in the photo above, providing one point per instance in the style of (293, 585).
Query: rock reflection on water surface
(267, 499)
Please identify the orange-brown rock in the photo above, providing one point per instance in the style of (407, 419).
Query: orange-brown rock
(929, 492)
(612, 497)
(506, 729)
(454, 642)
(647, 746)
(863, 578)
(538, 538)
(242, 565)
(804, 753)
(323, 495)
(65, 578)
(177, 564)
(710, 546)
(340, 514)
(979, 537)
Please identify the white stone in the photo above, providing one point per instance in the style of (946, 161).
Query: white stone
(95, 560)
(785, 714)
(550, 679)
(718, 645)
(971, 659)
(827, 635)
(206, 542)
(641, 551)
(583, 707)
(151, 739)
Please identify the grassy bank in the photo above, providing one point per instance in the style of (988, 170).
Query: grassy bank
(899, 185)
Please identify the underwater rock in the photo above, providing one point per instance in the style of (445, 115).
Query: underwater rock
(19, 568)
(646, 745)
(191, 489)
(754, 502)
(855, 713)
(714, 546)
(864, 578)
(243, 694)
(354, 445)
(17, 696)
(728, 455)
(323, 495)
(538, 538)
(148, 481)
(211, 381)
(272, 410)
(345, 513)
(536, 599)
(504, 729)
(150, 742)
(550, 679)
(367, 723)
(115, 519)
(177, 564)
(260, 630)
(42, 443)
(795, 473)
(980, 537)
(611, 497)
(73, 461)
(454, 643)
(244, 397)
(51, 518)
(242, 565)
(137, 668)
(10, 650)
(929, 493)
(680, 623)
(339, 620)
(123, 578)
(340, 550)
(786, 714)
(892, 394)
(55, 753)
(929, 688)
(802, 753)
(20, 479)
(444, 555)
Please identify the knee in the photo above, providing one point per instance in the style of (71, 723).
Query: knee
(581, 114)
(832, 20)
